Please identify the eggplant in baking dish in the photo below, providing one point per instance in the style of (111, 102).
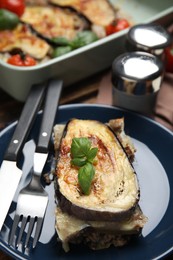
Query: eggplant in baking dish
(20, 39)
(51, 22)
(97, 12)
(110, 212)
(57, 27)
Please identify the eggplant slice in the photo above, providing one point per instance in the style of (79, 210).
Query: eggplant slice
(114, 191)
(22, 38)
(97, 12)
(52, 22)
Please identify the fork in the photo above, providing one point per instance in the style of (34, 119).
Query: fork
(33, 199)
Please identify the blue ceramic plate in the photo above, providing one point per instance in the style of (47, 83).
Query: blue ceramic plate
(154, 167)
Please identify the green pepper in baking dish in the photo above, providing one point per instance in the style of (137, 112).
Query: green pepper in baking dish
(8, 20)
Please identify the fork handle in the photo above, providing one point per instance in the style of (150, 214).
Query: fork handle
(52, 100)
(25, 122)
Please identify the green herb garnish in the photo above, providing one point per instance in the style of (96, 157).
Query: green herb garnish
(61, 41)
(64, 45)
(83, 157)
(83, 38)
(61, 51)
(8, 20)
(85, 177)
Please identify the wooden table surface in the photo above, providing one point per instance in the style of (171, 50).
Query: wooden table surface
(94, 90)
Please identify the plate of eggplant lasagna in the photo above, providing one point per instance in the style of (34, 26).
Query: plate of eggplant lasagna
(109, 180)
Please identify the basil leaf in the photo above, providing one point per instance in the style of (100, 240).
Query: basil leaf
(61, 51)
(8, 20)
(85, 177)
(78, 161)
(83, 156)
(92, 154)
(80, 147)
(83, 38)
(61, 41)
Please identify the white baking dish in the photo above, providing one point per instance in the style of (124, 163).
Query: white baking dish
(88, 60)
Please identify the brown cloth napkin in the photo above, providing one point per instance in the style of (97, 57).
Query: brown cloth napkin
(164, 103)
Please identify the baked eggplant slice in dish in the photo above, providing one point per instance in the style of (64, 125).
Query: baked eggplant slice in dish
(52, 22)
(97, 12)
(23, 39)
(111, 205)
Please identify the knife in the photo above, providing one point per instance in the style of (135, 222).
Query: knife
(10, 173)
(48, 117)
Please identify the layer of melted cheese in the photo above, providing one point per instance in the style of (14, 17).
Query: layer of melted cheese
(68, 227)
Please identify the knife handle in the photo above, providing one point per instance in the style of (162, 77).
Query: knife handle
(49, 111)
(25, 122)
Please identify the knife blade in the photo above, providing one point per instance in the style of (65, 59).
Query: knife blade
(48, 117)
(10, 173)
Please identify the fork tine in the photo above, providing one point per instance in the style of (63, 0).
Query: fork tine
(30, 228)
(23, 224)
(14, 227)
(37, 231)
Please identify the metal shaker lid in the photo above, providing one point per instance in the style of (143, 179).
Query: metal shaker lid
(141, 69)
(137, 66)
(149, 37)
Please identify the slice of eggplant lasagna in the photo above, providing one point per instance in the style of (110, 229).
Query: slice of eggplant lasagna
(109, 214)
